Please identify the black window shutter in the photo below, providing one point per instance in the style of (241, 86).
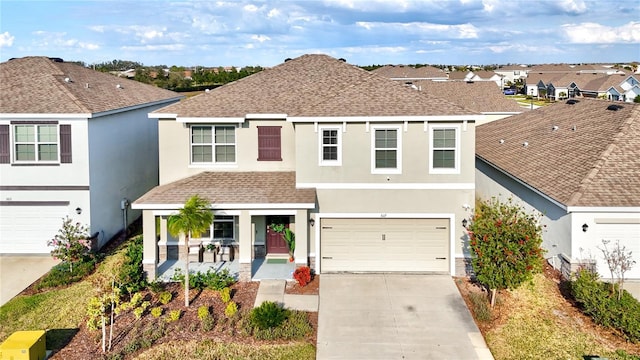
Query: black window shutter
(65, 144)
(269, 143)
(5, 145)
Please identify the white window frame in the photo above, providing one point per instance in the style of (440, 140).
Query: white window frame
(321, 161)
(213, 145)
(35, 143)
(216, 219)
(456, 168)
(398, 168)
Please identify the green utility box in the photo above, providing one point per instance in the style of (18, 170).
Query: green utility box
(24, 345)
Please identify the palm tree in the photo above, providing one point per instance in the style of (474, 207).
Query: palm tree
(193, 219)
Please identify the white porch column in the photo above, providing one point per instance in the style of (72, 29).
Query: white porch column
(245, 246)
(301, 253)
(150, 245)
(162, 243)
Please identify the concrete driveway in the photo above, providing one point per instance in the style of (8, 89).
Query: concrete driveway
(384, 316)
(17, 272)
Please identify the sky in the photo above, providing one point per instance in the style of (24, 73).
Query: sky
(364, 32)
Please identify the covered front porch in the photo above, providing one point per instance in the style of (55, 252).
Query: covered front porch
(247, 208)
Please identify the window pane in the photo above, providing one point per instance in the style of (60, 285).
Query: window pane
(444, 159)
(47, 133)
(223, 230)
(201, 153)
(24, 133)
(201, 135)
(386, 159)
(25, 152)
(225, 135)
(330, 137)
(330, 153)
(386, 138)
(48, 152)
(444, 138)
(225, 153)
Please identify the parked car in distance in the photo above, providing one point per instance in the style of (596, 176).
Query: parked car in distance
(509, 91)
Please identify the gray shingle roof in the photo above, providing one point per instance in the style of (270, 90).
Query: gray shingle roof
(597, 164)
(410, 72)
(313, 85)
(232, 188)
(37, 85)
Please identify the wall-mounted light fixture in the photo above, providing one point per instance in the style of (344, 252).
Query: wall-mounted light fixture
(585, 227)
(464, 223)
(78, 211)
(312, 222)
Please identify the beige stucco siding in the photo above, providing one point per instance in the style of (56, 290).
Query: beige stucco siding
(174, 147)
(357, 154)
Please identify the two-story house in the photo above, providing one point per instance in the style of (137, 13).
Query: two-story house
(371, 175)
(73, 142)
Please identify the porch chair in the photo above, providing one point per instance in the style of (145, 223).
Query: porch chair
(195, 251)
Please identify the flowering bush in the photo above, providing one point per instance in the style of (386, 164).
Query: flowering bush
(302, 275)
(71, 244)
(505, 245)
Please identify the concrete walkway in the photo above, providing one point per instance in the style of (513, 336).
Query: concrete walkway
(389, 316)
(17, 272)
(273, 290)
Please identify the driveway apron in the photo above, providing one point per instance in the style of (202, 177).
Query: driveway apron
(395, 316)
(17, 272)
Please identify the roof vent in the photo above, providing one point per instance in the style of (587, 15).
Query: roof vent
(287, 59)
(554, 128)
(614, 107)
(574, 128)
(56, 59)
(525, 144)
(86, 85)
(67, 80)
(572, 102)
(118, 86)
(501, 141)
(343, 59)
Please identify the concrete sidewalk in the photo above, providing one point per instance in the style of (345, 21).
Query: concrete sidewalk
(395, 316)
(273, 290)
(17, 272)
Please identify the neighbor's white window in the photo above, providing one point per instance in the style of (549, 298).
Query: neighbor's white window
(386, 150)
(36, 143)
(330, 146)
(444, 154)
(213, 144)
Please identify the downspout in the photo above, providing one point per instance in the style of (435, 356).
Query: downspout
(124, 204)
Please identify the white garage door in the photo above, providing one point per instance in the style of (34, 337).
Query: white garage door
(384, 245)
(26, 229)
(629, 236)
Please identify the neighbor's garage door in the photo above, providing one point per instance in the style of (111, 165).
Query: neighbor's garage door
(629, 236)
(26, 229)
(384, 245)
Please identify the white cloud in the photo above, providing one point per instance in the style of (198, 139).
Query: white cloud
(6, 39)
(260, 38)
(573, 6)
(169, 47)
(593, 33)
(59, 41)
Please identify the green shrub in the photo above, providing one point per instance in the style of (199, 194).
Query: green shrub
(139, 311)
(268, 315)
(156, 286)
(165, 297)
(231, 309)
(61, 275)
(156, 312)
(174, 315)
(131, 274)
(211, 279)
(480, 306)
(225, 295)
(598, 300)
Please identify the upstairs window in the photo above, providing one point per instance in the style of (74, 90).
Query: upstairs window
(213, 144)
(386, 154)
(269, 148)
(445, 149)
(330, 146)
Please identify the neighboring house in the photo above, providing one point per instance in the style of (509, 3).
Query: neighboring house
(481, 97)
(488, 76)
(576, 162)
(73, 142)
(370, 174)
(512, 73)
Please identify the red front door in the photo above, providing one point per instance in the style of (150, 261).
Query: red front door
(275, 240)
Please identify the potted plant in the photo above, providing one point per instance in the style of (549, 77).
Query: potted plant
(210, 247)
(290, 239)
